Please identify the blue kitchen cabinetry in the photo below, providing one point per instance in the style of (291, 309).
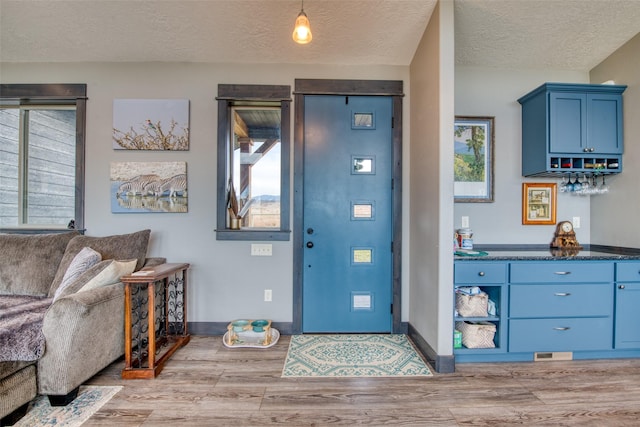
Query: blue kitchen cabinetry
(627, 331)
(584, 308)
(491, 278)
(571, 128)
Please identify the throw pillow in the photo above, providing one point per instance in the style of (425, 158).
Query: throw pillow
(84, 260)
(122, 246)
(110, 275)
(85, 277)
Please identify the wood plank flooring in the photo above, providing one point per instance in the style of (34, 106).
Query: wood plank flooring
(207, 384)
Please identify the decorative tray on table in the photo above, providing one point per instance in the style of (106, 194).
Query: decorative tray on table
(250, 333)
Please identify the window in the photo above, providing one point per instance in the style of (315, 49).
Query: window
(42, 157)
(253, 162)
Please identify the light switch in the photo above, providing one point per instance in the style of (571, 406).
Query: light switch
(261, 249)
(465, 222)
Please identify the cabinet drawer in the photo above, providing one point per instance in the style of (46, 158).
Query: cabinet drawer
(479, 272)
(573, 334)
(561, 272)
(560, 300)
(628, 271)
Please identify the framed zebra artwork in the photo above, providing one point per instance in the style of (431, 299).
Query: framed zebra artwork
(145, 187)
(151, 124)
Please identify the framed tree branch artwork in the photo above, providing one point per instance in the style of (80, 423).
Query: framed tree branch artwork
(538, 203)
(473, 159)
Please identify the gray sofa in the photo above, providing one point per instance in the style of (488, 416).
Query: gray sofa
(80, 331)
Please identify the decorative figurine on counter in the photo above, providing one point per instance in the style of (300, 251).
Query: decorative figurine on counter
(564, 239)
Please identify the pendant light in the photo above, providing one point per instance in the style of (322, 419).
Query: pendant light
(302, 29)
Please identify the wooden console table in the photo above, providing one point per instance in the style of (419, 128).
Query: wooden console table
(155, 307)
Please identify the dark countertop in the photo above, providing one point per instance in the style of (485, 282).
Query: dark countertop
(544, 253)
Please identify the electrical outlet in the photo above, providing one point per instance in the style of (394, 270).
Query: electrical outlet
(268, 295)
(261, 249)
(576, 222)
(465, 222)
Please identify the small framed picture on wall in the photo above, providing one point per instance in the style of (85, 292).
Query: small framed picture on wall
(538, 203)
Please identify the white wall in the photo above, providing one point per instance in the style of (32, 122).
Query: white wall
(225, 281)
(431, 271)
(614, 217)
(494, 92)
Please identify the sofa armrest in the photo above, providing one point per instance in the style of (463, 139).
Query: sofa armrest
(84, 333)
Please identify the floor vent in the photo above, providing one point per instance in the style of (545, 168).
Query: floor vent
(552, 356)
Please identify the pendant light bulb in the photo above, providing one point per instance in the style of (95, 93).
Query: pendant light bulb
(302, 29)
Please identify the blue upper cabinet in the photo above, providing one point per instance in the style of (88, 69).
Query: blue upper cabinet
(570, 128)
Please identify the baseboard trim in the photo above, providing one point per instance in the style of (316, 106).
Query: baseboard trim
(442, 364)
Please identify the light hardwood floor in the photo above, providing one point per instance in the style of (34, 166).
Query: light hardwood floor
(207, 384)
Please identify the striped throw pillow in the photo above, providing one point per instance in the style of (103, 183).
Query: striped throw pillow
(84, 260)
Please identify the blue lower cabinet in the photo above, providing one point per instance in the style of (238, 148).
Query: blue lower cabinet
(627, 325)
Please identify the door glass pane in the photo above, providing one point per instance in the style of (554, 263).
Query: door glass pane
(363, 121)
(361, 210)
(362, 256)
(363, 165)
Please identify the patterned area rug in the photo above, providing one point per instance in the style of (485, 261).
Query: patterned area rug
(89, 400)
(353, 356)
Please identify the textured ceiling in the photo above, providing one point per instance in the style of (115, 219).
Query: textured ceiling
(222, 31)
(559, 34)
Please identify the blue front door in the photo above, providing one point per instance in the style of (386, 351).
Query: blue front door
(347, 271)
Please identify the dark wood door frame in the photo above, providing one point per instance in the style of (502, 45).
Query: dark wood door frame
(392, 88)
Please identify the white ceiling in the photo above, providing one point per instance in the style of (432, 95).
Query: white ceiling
(559, 34)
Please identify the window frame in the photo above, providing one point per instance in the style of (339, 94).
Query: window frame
(54, 95)
(227, 95)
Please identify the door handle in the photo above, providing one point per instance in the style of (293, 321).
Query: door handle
(309, 230)
(309, 245)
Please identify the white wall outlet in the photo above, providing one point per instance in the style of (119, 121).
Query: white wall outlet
(576, 222)
(261, 249)
(465, 222)
(268, 295)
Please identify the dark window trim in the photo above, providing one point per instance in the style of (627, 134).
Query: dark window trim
(62, 93)
(227, 93)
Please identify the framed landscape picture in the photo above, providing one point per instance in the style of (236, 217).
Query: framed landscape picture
(473, 159)
(146, 187)
(151, 124)
(538, 203)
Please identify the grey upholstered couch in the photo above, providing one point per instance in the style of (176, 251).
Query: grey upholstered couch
(80, 331)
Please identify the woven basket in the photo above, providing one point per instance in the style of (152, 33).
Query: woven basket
(477, 334)
(472, 305)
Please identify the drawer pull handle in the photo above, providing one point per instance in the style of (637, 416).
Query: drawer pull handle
(562, 294)
(481, 274)
(561, 328)
(562, 273)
